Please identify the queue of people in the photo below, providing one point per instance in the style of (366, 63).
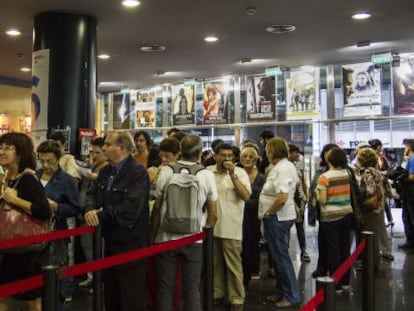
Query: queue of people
(245, 196)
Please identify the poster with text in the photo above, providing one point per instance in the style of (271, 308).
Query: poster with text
(261, 99)
(302, 94)
(403, 85)
(145, 110)
(216, 102)
(362, 90)
(121, 111)
(86, 136)
(183, 104)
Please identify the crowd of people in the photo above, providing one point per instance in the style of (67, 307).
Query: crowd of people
(248, 194)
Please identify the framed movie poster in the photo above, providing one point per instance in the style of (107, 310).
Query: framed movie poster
(261, 99)
(302, 94)
(217, 102)
(121, 111)
(183, 104)
(145, 110)
(362, 89)
(403, 85)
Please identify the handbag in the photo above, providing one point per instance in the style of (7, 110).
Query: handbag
(373, 201)
(356, 200)
(16, 223)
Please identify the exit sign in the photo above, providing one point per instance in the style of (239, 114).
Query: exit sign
(274, 71)
(189, 82)
(382, 58)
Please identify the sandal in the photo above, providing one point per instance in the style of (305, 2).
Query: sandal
(388, 257)
(273, 298)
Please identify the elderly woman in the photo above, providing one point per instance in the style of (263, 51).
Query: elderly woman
(334, 196)
(18, 158)
(371, 184)
(251, 223)
(63, 196)
(277, 209)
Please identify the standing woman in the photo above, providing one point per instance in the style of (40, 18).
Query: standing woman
(277, 208)
(18, 158)
(251, 223)
(334, 196)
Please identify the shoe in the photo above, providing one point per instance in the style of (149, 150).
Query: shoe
(304, 257)
(339, 291)
(405, 246)
(236, 307)
(68, 299)
(390, 224)
(85, 283)
(282, 304)
(255, 276)
(358, 266)
(271, 273)
(345, 288)
(388, 257)
(317, 273)
(273, 298)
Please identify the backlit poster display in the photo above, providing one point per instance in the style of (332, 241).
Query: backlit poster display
(261, 99)
(121, 111)
(302, 93)
(403, 84)
(145, 110)
(183, 104)
(362, 89)
(216, 102)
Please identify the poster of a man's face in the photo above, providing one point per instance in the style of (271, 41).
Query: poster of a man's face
(261, 99)
(403, 85)
(183, 104)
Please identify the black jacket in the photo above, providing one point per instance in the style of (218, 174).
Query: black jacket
(125, 212)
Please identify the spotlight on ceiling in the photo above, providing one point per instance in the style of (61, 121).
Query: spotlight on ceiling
(210, 39)
(361, 15)
(130, 3)
(104, 56)
(12, 32)
(25, 69)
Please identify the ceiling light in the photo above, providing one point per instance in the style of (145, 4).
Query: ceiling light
(25, 69)
(13, 32)
(104, 56)
(131, 3)
(361, 15)
(210, 39)
(278, 29)
(152, 48)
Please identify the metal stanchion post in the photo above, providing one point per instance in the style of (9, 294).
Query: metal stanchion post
(97, 275)
(368, 277)
(50, 291)
(328, 284)
(208, 270)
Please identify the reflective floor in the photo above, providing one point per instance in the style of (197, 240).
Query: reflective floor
(394, 281)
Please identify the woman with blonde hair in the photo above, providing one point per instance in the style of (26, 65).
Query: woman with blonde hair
(277, 209)
(251, 223)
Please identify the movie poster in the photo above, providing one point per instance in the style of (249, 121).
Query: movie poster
(145, 110)
(303, 94)
(86, 136)
(216, 102)
(121, 111)
(183, 104)
(403, 85)
(261, 99)
(362, 90)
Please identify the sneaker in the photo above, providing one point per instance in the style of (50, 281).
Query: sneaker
(282, 304)
(255, 276)
(339, 291)
(305, 257)
(85, 283)
(273, 299)
(387, 257)
(68, 299)
(318, 273)
(345, 288)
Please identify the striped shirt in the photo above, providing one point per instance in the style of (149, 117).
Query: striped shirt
(338, 194)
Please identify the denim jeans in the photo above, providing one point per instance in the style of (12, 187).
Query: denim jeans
(277, 234)
(191, 258)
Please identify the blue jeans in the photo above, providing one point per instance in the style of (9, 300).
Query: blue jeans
(277, 235)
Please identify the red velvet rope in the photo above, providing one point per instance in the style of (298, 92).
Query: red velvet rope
(99, 264)
(55, 235)
(315, 301)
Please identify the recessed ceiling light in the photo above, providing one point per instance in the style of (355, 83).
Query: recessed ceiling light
(25, 69)
(13, 32)
(152, 48)
(210, 39)
(131, 3)
(361, 15)
(104, 56)
(361, 44)
(278, 29)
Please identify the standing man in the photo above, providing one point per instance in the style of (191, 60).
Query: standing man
(118, 200)
(191, 256)
(264, 137)
(233, 187)
(145, 151)
(408, 198)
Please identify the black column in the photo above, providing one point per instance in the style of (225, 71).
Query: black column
(71, 39)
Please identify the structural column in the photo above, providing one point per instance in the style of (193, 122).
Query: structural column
(64, 56)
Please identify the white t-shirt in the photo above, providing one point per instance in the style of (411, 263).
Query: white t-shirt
(230, 207)
(282, 178)
(208, 191)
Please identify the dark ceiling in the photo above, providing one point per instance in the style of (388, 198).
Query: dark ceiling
(325, 34)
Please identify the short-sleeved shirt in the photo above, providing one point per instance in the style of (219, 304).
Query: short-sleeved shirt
(230, 207)
(282, 178)
(410, 165)
(336, 183)
(208, 192)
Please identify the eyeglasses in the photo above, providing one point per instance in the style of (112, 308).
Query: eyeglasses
(7, 148)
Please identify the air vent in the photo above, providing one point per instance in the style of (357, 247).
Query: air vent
(280, 28)
(152, 48)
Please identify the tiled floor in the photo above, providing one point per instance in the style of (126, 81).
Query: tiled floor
(394, 281)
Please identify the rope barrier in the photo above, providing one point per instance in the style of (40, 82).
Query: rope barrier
(315, 301)
(45, 237)
(99, 264)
